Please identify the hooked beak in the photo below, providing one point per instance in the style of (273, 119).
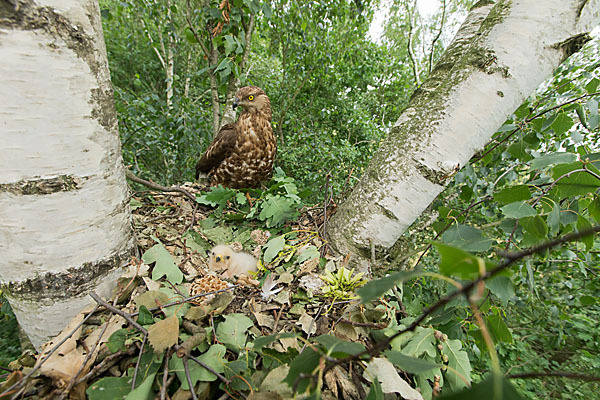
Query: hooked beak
(236, 103)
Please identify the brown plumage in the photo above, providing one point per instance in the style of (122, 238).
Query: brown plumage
(241, 155)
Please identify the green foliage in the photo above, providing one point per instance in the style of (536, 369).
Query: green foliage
(165, 266)
(335, 94)
(10, 347)
(274, 206)
(342, 284)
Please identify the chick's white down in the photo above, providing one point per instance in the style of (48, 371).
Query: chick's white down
(229, 263)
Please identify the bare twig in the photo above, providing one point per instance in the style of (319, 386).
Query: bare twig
(139, 359)
(437, 37)
(186, 368)
(208, 368)
(517, 129)
(163, 388)
(115, 310)
(130, 175)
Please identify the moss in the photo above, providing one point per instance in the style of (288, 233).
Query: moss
(70, 283)
(62, 183)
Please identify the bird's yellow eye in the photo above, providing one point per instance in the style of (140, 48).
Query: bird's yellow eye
(250, 97)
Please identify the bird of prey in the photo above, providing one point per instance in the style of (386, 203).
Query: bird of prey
(229, 263)
(241, 155)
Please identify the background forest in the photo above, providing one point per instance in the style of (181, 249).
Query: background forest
(338, 74)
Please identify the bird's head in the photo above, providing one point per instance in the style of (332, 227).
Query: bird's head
(253, 99)
(220, 255)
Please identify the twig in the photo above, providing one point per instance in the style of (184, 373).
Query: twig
(98, 368)
(510, 258)
(115, 310)
(517, 129)
(137, 364)
(85, 361)
(156, 186)
(314, 321)
(559, 374)
(209, 369)
(47, 356)
(187, 299)
(163, 388)
(186, 368)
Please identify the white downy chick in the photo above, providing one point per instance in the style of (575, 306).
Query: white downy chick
(230, 263)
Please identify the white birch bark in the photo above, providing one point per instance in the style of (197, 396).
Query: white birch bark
(65, 225)
(500, 55)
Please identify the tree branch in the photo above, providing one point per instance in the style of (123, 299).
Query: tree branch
(510, 258)
(173, 189)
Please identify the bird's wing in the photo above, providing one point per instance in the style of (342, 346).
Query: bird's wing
(221, 146)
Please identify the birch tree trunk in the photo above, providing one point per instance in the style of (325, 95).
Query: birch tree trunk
(502, 52)
(65, 225)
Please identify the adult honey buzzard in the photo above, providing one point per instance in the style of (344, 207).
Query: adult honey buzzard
(241, 155)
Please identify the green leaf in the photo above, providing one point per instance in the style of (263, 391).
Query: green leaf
(512, 194)
(273, 247)
(375, 289)
(502, 287)
(144, 390)
(217, 196)
(116, 341)
(457, 262)
(518, 209)
(375, 393)
(230, 44)
(575, 183)
(423, 342)
(535, 225)
(562, 124)
(553, 159)
(109, 388)
(305, 363)
(582, 225)
(554, 219)
(165, 265)
(308, 254)
(499, 329)
(587, 300)
(214, 358)
(337, 347)
(232, 331)
(467, 238)
(277, 210)
(458, 363)
(594, 208)
(581, 114)
(219, 234)
(408, 364)
(145, 316)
